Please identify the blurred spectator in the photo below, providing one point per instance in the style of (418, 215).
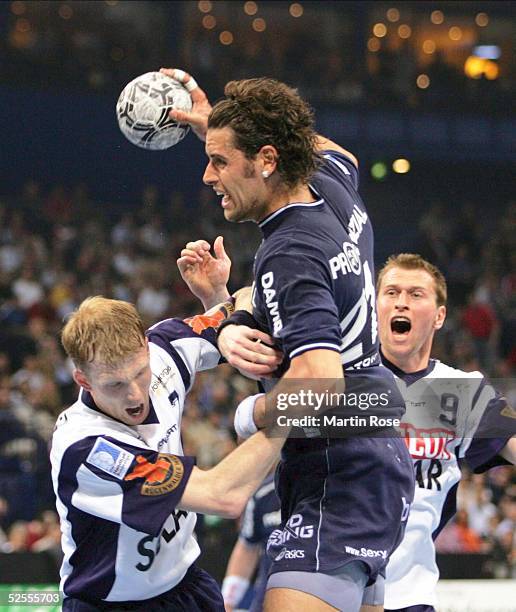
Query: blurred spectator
(17, 537)
(458, 536)
(4, 512)
(206, 438)
(500, 480)
(480, 509)
(124, 232)
(27, 288)
(460, 273)
(480, 321)
(153, 298)
(503, 540)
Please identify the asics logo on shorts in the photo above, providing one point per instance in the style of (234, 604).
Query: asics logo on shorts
(290, 554)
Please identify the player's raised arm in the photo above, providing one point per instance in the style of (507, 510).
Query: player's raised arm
(206, 275)
(325, 144)
(197, 119)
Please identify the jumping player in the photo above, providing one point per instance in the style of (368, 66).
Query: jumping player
(472, 421)
(344, 500)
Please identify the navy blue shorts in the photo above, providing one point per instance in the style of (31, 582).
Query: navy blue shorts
(342, 501)
(197, 592)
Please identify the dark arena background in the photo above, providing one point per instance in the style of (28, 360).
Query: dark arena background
(423, 93)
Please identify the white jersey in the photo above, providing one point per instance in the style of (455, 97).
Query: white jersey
(117, 485)
(450, 415)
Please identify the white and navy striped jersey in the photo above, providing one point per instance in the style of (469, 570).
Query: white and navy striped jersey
(450, 415)
(117, 485)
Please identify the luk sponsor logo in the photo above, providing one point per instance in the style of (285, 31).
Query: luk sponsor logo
(427, 443)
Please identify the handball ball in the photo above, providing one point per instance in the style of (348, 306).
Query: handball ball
(142, 111)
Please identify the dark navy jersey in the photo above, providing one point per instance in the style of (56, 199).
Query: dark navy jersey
(314, 284)
(342, 500)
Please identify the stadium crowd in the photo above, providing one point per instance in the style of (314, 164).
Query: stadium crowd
(57, 246)
(95, 46)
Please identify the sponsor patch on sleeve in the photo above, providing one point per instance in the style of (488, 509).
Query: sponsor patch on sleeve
(110, 458)
(201, 322)
(160, 477)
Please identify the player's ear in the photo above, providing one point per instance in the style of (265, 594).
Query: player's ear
(440, 317)
(268, 158)
(80, 378)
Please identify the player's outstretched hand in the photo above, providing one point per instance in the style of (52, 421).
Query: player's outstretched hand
(197, 118)
(206, 275)
(246, 349)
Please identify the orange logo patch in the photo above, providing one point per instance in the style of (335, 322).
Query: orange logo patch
(160, 477)
(201, 322)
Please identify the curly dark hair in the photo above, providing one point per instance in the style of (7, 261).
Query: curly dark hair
(267, 112)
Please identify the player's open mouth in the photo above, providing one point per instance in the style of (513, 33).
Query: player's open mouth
(136, 411)
(226, 199)
(401, 325)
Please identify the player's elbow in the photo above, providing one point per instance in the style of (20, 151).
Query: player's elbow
(229, 505)
(223, 498)
(235, 506)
